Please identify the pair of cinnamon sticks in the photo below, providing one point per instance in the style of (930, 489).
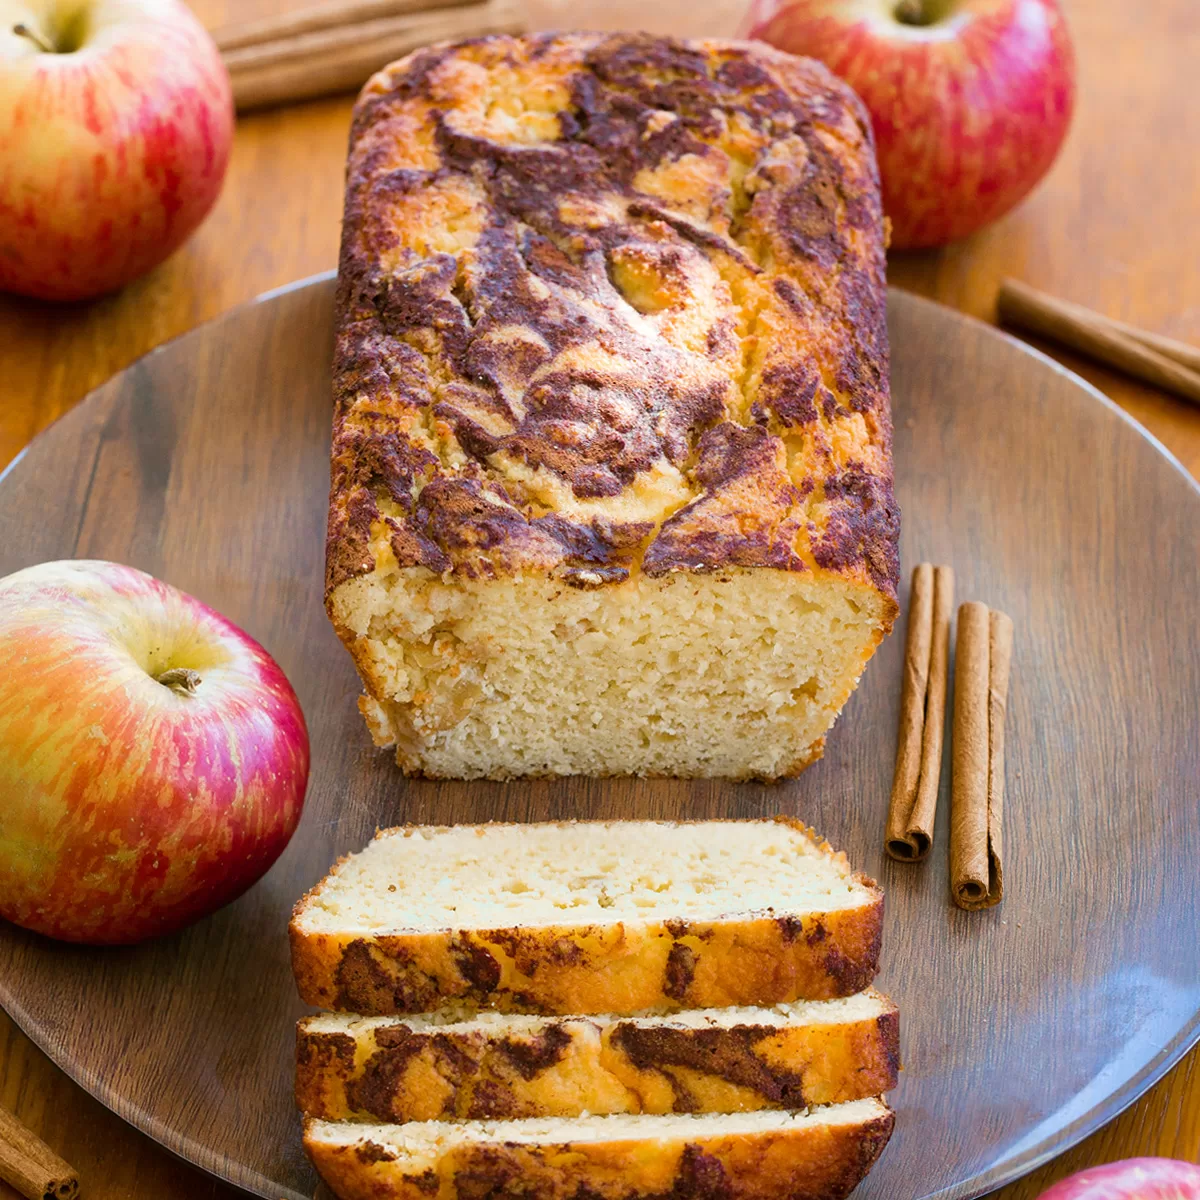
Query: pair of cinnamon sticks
(983, 658)
(30, 1166)
(336, 46)
(1161, 361)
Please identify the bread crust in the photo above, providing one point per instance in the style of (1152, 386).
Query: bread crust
(579, 969)
(568, 1067)
(578, 270)
(817, 1162)
(618, 968)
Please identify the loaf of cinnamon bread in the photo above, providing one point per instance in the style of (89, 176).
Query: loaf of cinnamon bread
(611, 466)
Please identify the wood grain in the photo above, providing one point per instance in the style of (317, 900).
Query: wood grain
(1113, 227)
(206, 464)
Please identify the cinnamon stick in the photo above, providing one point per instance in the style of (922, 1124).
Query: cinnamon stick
(321, 44)
(330, 15)
(1016, 297)
(1182, 353)
(925, 807)
(1173, 366)
(984, 654)
(30, 1166)
(900, 840)
(968, 796)
(913, 807)
(326, 62)
(1000, 641)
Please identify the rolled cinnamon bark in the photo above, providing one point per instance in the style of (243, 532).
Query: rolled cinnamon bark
(332, 14)
(925, 808)
(1000, 645)
(981, 674)
(913, 807)
(900, 840)
(968, 790)
(326, 61)
(30, 1166)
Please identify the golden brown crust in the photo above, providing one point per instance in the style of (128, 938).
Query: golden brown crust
(563, 1068)
(608, 304)
(810, 1162)
(618, 968)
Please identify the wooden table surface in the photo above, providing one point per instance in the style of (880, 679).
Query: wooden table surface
(1114, 227)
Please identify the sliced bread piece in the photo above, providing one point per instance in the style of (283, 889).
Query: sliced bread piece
(820, 1154)
(505, 1065)
(587, 917)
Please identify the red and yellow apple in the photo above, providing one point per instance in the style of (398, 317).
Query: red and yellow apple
(153, 757)
(115, 125)
(1131, 1179)
(970, 99)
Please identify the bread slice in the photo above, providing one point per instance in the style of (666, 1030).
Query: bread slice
(587, 917)
(611, 470)
(820, 1154)
(505, 1065)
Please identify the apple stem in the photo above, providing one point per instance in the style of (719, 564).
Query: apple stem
(180, 679)
(918, 12)
(28, 31)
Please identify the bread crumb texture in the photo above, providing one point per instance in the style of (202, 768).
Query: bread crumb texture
(611, 469)
(498, 876)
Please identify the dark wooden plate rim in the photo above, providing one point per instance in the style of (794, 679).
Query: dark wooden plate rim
(1022, 1164)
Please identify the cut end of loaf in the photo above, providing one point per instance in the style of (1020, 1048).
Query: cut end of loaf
(731, 674)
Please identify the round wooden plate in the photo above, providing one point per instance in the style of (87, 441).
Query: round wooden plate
(1024, 1027)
